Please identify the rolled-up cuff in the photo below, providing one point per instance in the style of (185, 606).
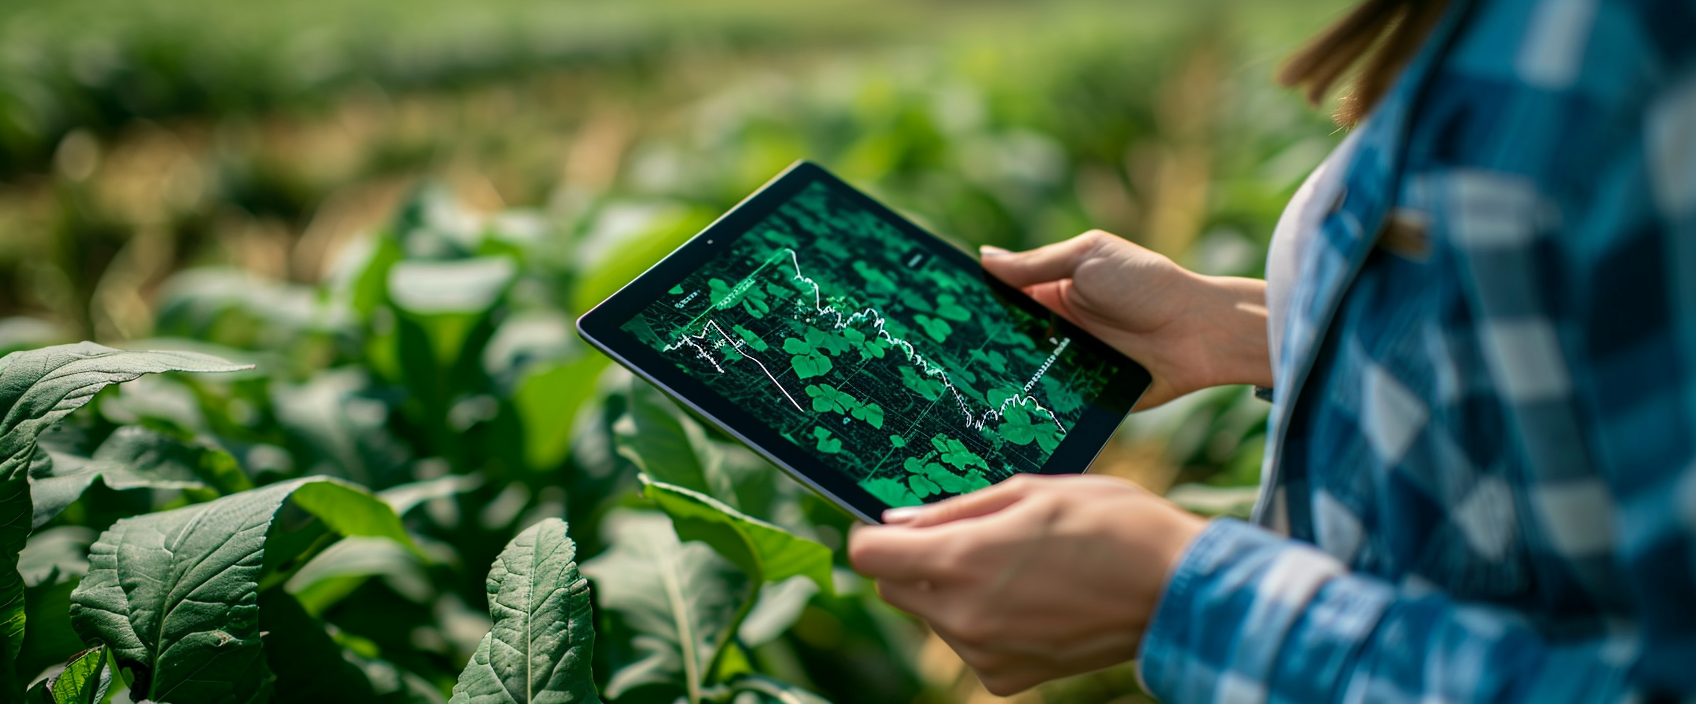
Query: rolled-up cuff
(1227, 609)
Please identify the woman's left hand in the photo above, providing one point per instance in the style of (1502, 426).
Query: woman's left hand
(1035, 578)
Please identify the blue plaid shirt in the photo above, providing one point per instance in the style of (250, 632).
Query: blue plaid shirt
(1482, 480)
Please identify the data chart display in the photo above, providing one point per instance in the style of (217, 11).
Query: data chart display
(882, 360)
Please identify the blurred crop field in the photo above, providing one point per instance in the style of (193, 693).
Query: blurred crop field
(321, 187)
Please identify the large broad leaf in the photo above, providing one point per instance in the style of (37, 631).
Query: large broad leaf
(543, 637)
(135, 457)
(84, 680)
(175, 594)
(764, 551)
(668, 445)
(37, 389)
(678, 598)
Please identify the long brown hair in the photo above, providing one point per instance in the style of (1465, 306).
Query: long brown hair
(1380, 36)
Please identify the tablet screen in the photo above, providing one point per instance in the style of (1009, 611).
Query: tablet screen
(884, 359)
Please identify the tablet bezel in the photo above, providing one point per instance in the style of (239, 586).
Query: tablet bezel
(600, 327)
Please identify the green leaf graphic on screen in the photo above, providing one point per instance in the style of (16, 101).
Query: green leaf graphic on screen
(922, 486)
(937, 475)
(826, 443)
(834, 344)
(949, 307)
(1021, 427)
(930, 389)
(869, 347)
(676, 290)
(936, 328)
(876, 281)
(749, 337)
(871, 413)
(752, 298)
(956, 453)
(829, 400)
(994, 360)
(897, 441)
(807, 362)
(890, 491)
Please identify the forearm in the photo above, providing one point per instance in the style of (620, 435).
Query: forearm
(1229, 316)
(1252, 616)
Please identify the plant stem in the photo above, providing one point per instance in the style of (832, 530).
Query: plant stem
(728, 639)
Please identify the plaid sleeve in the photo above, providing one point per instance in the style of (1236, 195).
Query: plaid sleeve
(1586, 290)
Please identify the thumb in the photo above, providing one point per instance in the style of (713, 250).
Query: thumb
(978, 503)
(1043, 264)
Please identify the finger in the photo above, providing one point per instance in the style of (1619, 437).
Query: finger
(895, 552)
(1053, 295)
(1047, 263)
(965, 506)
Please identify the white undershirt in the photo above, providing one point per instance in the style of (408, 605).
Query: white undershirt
(1296, 227)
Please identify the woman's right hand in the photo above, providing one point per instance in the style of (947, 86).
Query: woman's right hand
(1190, 331)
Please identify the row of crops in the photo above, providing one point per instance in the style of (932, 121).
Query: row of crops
(389, 470)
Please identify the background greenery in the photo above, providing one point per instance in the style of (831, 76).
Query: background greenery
(395, 209)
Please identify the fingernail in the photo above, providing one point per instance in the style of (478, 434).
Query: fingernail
(902, 514)
(989, 250)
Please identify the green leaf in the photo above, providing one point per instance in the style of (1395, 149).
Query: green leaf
(548, 400)
(543, 637)
(768, 690)
(662, 441)
(891, 491)
(84, 680)
(871, 413)
(1021, 426)
(336, 572)
(136, 457)
(677, 597)
(936, 328)
(949, 307)
(826, 443)
(405, 497)
(810, 365)
(174, 594)
(56, 553)
(450, 298)
(830, 400)
(832, 343)
(37, 389)
(778, 608)
(956, 453)
(764, 551)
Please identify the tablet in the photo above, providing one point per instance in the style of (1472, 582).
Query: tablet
(876, 363)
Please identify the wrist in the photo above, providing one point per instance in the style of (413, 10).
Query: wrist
(1230, 318)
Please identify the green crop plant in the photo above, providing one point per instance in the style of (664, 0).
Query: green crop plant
(308, 521)
(201, 601)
